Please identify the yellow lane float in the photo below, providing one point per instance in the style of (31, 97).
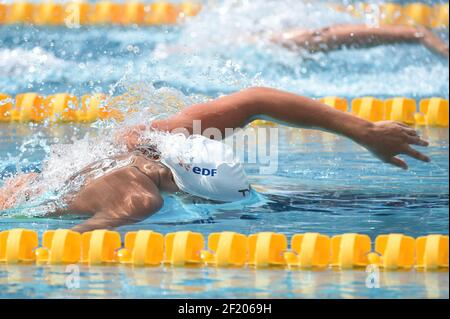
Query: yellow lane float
(390, 13)
(309, 250)
(188, 9)
(335, 102)
(77, 13)
(100, 247)
(29, 108)
(62, 107)
(432, 252)
(433, 112)
(394, 251)
(3, 8)
(142, 248)
(67, 108)
(368, 108)
(162, 13)
(266, 249)
(60, 246)
(417, 14)
(262, 123)
(183, 248)
(20, 12)
(350, 251)
(440, 16)
(400, 109)
(133, 12)
(103, 12)
(57, 108)
(95, 106)
(137, 12)
(49, 13)
(225, 249)
(17, 245)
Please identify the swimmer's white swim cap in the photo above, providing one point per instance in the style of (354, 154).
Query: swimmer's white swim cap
(208, 169)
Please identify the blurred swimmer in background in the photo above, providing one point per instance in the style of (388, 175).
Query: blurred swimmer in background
(359, 36)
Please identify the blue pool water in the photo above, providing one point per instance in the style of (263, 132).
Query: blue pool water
(323, 183)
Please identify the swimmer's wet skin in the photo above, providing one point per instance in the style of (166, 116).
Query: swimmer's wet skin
(338, 36)
(132, 193)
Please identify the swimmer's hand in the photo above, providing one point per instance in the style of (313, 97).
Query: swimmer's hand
(432, 41)
(387, 139)
(131, 136)
(17, 188)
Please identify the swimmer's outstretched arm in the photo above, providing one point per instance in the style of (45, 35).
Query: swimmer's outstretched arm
(385, 139)
(338, 36)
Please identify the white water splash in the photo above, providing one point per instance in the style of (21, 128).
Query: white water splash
(63, 160)
(19, 62)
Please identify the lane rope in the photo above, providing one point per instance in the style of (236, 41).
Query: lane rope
(224, 249)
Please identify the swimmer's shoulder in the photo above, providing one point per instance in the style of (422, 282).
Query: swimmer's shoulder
(154, 169)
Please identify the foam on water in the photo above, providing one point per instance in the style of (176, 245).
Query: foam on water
(35, 65)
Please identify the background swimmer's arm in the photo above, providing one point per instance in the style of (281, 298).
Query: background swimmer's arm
(16, 188)
(338, 36)
(434, 43)
(384, 139)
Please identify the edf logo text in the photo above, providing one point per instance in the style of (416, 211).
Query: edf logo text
(204, 171)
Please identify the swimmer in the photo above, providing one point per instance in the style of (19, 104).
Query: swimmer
(131, 192)
(348, 35)
(351, 35)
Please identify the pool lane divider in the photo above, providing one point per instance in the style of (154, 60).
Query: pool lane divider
(166, 13)
(60, 108)
(430, 111)
(225, 249)
(74, 13)
(414, 14)
(67, 108)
